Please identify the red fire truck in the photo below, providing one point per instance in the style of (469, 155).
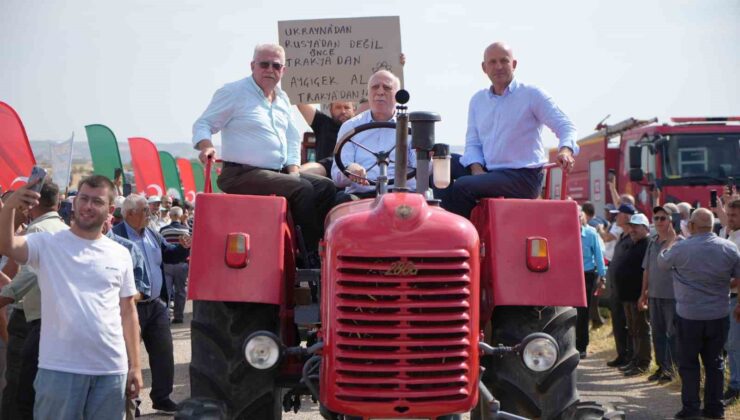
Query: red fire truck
(683, 160)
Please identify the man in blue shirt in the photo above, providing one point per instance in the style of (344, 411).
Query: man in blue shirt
(261, 145)
(593, 268)
(504, 153)
(152, 309)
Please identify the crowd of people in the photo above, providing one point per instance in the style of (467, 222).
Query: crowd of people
(104, 280)
(672, 287)
(97, 299)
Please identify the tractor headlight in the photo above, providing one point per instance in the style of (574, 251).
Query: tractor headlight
(262, 350)
(540, 352)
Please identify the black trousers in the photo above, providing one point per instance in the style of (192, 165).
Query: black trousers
(309, 197)
(619, 324)
(155, 332)
(705, 339)
(29, 368)
(17, 333)
(583, 313)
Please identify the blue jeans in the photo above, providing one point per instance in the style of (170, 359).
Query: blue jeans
(733, 348)
(62, 395)
(663, 324)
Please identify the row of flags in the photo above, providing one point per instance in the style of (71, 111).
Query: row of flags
(155, 172)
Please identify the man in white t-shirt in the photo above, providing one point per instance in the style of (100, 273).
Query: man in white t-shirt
(89, 350)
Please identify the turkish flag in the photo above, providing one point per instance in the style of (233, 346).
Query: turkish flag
(187, 179)
(147, 168)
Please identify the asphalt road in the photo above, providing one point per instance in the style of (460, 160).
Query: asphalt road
(640, 399)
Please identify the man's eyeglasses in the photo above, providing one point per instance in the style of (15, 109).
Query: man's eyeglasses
(660, 218)
(275, 65)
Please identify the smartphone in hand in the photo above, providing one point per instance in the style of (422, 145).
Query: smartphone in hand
(37, 173)
(713, 198)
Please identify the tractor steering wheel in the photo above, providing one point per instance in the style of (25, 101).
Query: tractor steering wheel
(379, 156)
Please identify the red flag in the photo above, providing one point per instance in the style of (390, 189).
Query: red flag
(187, 180)
(147, 168)
(16, 156)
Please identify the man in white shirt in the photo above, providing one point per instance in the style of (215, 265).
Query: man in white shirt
(89, 350)
(382, 87)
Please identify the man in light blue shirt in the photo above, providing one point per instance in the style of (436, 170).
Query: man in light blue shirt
(382, 88)
(593, 268)
(261, 144)
(504, 152)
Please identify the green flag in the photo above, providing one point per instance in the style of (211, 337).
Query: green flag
(103, 149)
(199, 175)
(171, 175)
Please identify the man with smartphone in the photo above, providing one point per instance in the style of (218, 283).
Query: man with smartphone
(73, 265)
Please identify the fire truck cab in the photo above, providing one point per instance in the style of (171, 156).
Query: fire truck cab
(671, 162)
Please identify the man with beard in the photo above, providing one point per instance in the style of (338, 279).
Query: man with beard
(89, 348)
(325, 129)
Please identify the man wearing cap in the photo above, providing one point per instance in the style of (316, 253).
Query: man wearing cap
(703, 266)
(154, 203)
(619, 320)
(657, 295)
(628, 274)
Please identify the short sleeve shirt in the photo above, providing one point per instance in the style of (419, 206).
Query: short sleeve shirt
(82, 282)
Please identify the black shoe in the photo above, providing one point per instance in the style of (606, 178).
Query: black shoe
(629, 366)
(708, 415)
(665, 378)
(617, 362)
(583, 355)
(688, 414)
(165, 406)
(177, 321)
(730, 396)
(656, 376)
(637, 370)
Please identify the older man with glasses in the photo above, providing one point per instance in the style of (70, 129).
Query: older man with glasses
(261, 145)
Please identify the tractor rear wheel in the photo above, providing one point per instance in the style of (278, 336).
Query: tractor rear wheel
(545, 395)
(218, 369)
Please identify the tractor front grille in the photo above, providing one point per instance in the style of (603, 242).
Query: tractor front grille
(402, 329)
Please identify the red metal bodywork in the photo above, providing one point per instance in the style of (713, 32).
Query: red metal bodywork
(270, 268)
(616, 158)
(401, 323)
(504, 225)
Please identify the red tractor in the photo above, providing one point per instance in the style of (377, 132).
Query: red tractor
(406, 291)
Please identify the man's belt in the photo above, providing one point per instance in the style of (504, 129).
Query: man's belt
(245, 166)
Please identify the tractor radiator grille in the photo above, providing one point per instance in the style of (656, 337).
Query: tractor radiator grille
(402, 329)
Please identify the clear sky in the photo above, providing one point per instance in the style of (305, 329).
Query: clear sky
(148, 68)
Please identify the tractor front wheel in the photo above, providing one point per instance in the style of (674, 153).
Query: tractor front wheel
(545, 395)
(218, 369)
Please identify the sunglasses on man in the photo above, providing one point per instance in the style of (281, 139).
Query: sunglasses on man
(660, 218)
(264, 65)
